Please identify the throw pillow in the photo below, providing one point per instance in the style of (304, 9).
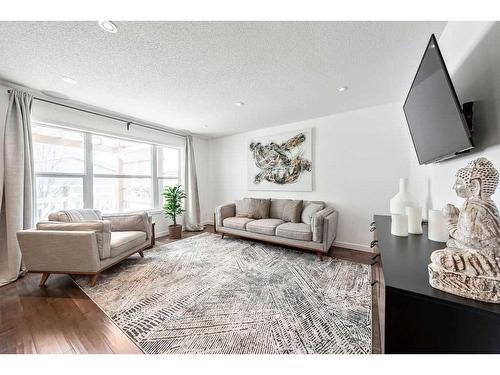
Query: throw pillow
(242, 207)
(309, 211)
(259, 208)
(292, 211)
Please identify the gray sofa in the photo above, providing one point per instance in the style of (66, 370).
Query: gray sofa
(317, 236)
(83, 242)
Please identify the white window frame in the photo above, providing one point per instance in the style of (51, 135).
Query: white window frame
(159, 203)
(88, 175)
(81, 176)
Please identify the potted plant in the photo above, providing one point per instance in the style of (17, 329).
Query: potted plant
(173, 207)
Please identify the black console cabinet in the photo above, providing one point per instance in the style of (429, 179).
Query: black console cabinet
(417, 318)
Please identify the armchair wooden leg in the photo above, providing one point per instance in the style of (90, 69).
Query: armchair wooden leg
(93, 279)
(44, 278)
(141, 253)
(320, 255)
(222, 235)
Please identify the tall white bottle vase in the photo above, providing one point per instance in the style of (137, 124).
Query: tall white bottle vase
(402, 199)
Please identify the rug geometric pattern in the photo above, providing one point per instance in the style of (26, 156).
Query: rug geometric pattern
(205, 294)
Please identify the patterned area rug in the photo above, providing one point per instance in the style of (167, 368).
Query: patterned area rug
(205, 294)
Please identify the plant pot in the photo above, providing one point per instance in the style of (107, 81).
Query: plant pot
(175, 231)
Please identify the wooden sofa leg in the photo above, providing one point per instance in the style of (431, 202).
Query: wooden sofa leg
(141, 253)
(320, 255)
(222, 235)
(43, 279)
(93, 279)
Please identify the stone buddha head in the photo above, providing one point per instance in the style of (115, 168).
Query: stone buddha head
(478, 179)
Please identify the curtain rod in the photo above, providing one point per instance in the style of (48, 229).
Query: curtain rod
(128, 122)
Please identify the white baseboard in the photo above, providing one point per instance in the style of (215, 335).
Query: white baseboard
(353, 246)
(161, 234)
(346, 245)
(165, 232)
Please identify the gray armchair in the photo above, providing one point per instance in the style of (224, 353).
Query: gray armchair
(83, 242)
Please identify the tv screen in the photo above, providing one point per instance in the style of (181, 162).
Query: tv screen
(433, 113)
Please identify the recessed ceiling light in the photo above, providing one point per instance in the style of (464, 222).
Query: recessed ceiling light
(239, 104)
(69, 80)
(108, 26)
(342, 89)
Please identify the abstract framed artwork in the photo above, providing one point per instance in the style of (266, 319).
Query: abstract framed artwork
(281, 162)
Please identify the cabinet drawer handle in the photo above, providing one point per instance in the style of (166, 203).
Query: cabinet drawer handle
(373, 243)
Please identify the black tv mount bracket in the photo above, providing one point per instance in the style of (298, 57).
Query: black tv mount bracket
(467, 112)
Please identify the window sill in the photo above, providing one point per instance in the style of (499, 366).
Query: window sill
(155, 211)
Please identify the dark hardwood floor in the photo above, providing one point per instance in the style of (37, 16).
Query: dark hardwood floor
(62, 319)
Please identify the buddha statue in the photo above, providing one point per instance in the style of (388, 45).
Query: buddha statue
(469, 266)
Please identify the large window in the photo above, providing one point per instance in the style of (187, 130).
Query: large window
(122, 174)
(59, 157)
(78, 169)
(168, 168)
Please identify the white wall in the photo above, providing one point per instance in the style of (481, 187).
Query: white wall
(472, 55)
(358, 158)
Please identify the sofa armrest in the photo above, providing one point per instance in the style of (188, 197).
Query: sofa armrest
(222, 212)
(317, 221)
(101, 228)
(126, 222)
(59, 251)
(330, 229)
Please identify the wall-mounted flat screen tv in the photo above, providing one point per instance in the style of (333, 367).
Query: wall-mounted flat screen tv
(433, 113)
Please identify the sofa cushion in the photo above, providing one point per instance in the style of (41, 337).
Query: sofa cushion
(130, 222)
(236, 222)
(242, 207)
(264, 226)
(101, 228)
(123, 241)
(310, 210)
(295, 231)
(75, 215)
(292, 211)
(259, 208)
(277, 207)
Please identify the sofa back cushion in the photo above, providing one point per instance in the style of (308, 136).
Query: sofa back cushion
(259, 208)
(242, 207)
(75, 215)
(309, 210)
(277, 208)
(292, 211)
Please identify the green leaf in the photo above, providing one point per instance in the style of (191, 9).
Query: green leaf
(173, 201)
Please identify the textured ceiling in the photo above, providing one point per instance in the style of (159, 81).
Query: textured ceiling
(188, 75)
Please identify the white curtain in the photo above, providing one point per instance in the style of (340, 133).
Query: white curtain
(16, 182)
(192, 202)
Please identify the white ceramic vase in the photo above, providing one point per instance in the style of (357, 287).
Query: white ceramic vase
(399, 225)
(438, 228)
(414, 219)
(402, 199)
